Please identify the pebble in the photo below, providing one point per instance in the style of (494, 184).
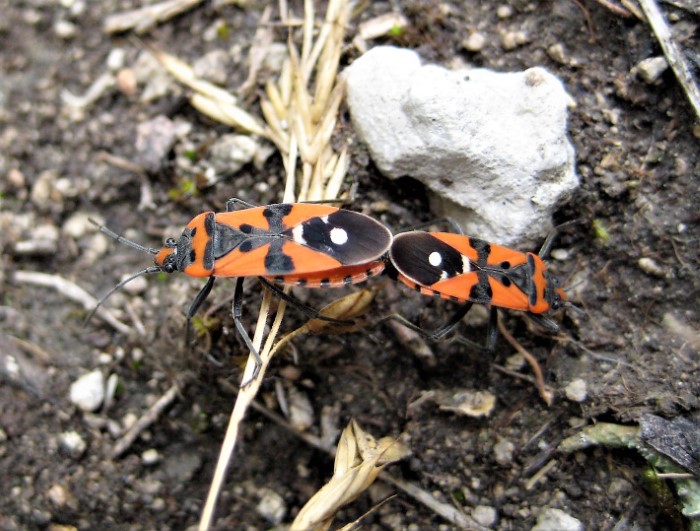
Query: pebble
(510, 40)
(77, 225)
(64, 29)
(503, 452)
(651, 267)
(231, 152)
(484, 515)
(649, 70)
(58, 495)
(475, 42)
(72, 444)
(557, 520)
(214, 66)
(136, 286)
(150, 457)
(115, 59)
(154, 140)
(576, 390)
(301, 412)
(504, 11)
(271, 506)
(88, 391)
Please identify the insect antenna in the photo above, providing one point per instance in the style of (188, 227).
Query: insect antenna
(123, 240)
(149, 270)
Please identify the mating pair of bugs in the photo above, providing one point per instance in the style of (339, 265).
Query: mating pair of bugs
(317, 245)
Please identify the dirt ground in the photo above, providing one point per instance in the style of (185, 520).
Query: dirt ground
(632, 264)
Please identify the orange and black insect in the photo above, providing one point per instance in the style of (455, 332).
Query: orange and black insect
(469, 270)
(298, 244)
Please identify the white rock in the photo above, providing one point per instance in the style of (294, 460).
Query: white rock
(651, 69)
(503, 452)
(88, 391)
(72, 443)
(271, 506)
(577, 390)
(493, 143)
(484, 515)
(557, 520)
(231, 152)
(78, 225)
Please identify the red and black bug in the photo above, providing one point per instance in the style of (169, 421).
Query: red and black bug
(469, 270)
(298, 244)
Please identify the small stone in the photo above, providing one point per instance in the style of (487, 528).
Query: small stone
(88, 391)
(277, 52)
(503, 452)
(577, 390)
(271, 506)
(557, 520)
(651, 267)
(150, 457)
(16, 178)
(64, 29)
(231, 152)
(560, 255)
(475, 42)
(115, 59)
(58, 495)
(301, 412)
(154, 140)
(136, 286)
(127, 82)
(213, 67)
(78, 225)
(484, 515)
(649, 70)
(513, 39)
(41, 191)
(504, 11)
(72, 444)
(556, 53)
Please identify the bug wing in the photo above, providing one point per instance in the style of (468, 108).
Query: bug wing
(348, 237)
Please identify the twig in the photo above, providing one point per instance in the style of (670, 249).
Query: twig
(73, 292)
(148, 418)
(143, 19)
(545, 393)
(673, 53)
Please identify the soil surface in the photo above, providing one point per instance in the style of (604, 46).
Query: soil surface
(631, 263)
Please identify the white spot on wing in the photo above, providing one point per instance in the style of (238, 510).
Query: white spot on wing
(298, 234)
(466, 264)
(435, 259)
(339, 236)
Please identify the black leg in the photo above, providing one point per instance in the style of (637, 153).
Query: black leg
(544, 322)
(236, 312)
(309, 312)
(492, 330)
(441, 332)
(233, 204)
(194, 307)
(549, 240)
(449, 222)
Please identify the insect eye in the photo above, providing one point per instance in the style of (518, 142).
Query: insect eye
(169, 267)
(171, 242)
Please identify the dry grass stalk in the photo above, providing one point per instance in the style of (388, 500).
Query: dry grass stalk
(300, 113)
(358, 461)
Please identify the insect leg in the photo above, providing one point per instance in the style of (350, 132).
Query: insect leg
(441, 332)
(544, 322)
(306, 310)
(492, 330)
(236, 312)
(194, 307)
(233, 204)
